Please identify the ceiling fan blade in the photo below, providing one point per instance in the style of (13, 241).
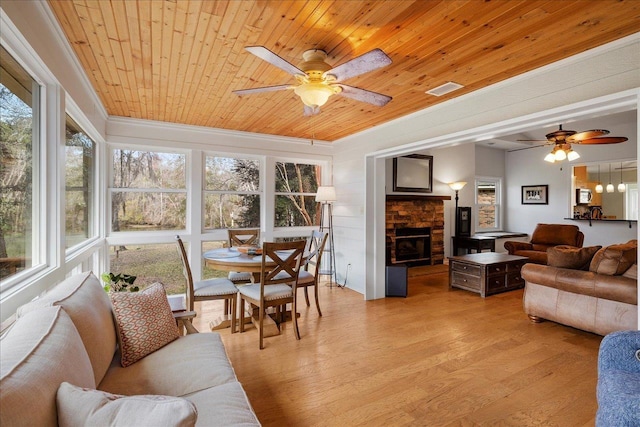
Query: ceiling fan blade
(362, 64)
(311, 111)
(364, 95)
(527, 148)
(603, 140)
(262, 89)
(273, 59)
(588, 134)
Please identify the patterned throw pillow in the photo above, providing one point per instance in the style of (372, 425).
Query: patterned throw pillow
(87, 407)
(145, 322)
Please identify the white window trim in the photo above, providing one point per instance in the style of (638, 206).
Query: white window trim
(499, 204)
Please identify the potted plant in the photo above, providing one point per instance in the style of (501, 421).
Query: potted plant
(119, 282)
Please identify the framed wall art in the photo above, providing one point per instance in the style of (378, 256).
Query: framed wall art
(413, 173)
(535, 194)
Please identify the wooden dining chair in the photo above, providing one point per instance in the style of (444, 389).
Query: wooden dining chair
(207, 290)
(280, 266)
(240, 237)
(313, 254)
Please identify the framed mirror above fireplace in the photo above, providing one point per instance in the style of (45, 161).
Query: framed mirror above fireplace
(413, 173)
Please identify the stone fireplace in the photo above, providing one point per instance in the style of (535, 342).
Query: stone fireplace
(415, 229)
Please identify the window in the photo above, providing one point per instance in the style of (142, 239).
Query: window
(79, 184)
(231, 193)
(150, 264)
(149, 191)
(19, 184)
(295, 202)
(488, 204)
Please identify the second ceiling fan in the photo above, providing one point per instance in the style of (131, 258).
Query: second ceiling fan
(317, 81)
(562, 140)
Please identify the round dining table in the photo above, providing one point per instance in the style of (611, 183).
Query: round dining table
(230, 259)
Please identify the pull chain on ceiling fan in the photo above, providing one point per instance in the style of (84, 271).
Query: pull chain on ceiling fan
(317, 81)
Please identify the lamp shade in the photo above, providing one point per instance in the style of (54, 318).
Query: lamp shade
(455, 186)
(314, 94)
(326, 194)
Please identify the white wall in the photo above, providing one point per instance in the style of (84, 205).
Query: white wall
(558, 90)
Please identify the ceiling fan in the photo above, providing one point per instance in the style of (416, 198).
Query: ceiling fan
(316, 80)
(562, 140)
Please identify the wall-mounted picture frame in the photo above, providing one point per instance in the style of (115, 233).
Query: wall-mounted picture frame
(535, 194)
(413, 173)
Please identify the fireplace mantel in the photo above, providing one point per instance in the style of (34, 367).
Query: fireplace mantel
(410, 197)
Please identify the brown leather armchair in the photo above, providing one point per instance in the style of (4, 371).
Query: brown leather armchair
(544, 237)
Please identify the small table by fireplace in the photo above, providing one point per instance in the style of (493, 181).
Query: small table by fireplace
(477, 242)
(486, 273)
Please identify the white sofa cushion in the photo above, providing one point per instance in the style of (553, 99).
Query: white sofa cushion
(88, 305)
(188, 364)
(223, 405)
(40, 351)
(87, 407)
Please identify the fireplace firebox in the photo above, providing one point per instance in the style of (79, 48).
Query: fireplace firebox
(413, 244)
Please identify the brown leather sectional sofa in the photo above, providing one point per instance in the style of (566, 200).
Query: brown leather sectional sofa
(601, 300)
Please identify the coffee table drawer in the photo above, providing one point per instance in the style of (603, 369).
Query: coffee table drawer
(465, 281)
(474, 270)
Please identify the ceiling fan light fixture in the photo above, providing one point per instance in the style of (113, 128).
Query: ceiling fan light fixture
(572, 155)
(560, 155)
(314, 94)
(551, 158)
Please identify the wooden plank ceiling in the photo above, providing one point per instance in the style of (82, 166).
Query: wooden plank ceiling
(179, 60)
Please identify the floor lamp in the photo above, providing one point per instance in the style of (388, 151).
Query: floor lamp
(326, 196)
(456, 186)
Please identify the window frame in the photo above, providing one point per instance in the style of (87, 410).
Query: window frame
(498, 205)
(93, 218)
(124, 235)
(294, 230)
(260, 191)
(43, 252)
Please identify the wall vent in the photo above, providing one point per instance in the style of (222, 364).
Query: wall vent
(444, 89)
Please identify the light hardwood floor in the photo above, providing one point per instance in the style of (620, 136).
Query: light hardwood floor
(436, 358)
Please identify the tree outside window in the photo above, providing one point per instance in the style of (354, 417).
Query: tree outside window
(149, 191)
(231, 193)
(296, 185)
(19, 99)
(79, 184)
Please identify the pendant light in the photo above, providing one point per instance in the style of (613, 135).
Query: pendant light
(609, 185)
(621, 186)
(599, 186)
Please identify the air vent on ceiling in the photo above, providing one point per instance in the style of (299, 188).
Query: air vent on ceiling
(444, 89)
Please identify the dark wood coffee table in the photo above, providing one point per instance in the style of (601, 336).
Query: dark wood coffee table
(486, 273)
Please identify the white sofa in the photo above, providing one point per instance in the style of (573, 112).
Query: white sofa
(69, 335)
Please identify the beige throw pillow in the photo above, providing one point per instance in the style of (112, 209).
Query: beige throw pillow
(87, 407)
(564, 256)
(145, 322)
